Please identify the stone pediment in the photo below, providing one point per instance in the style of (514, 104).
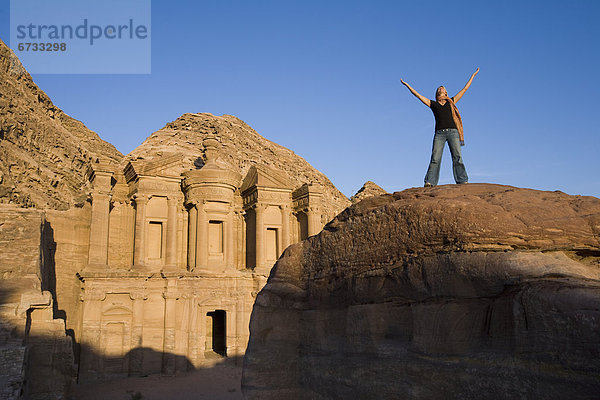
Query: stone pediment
(168, 165)
(262, 176)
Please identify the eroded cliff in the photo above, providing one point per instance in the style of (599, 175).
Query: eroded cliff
(475, 291)
(44, 153)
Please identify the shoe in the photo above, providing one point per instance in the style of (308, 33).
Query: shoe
(427, 184)
(461, 183)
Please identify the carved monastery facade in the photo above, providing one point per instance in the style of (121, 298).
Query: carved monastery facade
(176, 260)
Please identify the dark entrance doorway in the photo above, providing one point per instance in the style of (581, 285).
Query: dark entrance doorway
(215, 332)
(302, 225)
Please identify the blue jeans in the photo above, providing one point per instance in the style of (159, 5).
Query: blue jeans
(439, 140)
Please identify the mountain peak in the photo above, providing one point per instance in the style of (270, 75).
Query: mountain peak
(369, 189)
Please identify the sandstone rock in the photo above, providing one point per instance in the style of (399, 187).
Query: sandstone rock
(44, 153)
(36, 354)
(477, 291)
(369, 189)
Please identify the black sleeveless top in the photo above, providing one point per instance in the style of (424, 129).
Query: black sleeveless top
(443, 115)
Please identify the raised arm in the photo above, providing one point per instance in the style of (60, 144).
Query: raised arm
(460, 94)
(424, 99)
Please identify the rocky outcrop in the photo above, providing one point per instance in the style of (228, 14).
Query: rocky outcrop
(44, 153)
(369, 189)
(240, 148)
(35, 352)
(453, 292)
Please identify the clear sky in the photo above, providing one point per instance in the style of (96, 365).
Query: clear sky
(323, 79)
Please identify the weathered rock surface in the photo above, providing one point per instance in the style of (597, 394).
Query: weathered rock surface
(36, 355)
(44, 153)
(369, 189)
(455, 292)
(241, 147)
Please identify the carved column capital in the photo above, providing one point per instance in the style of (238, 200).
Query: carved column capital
(171, 295)
(141, 198)
(138, 296)
(99, 194)
(259, 207)
(174, 199)
(199, 203)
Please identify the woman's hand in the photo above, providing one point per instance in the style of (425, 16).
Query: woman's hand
(463, 90)
(424, 99)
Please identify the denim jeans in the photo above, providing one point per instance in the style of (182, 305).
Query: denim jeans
(439, 140)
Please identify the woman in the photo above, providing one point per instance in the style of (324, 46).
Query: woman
(448, 128)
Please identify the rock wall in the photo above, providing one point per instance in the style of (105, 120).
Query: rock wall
(477, 291)
(66, 238)
(19, 269)
(35, 353)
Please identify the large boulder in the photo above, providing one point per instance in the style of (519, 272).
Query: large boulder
(454, 292)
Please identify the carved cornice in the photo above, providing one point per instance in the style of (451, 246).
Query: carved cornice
(92, 296)
(103, 166)
(307, 197)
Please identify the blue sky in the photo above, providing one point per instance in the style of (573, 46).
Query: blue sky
(322, 78)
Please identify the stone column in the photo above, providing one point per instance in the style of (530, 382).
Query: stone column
(191, 250)
(240, 247)
(285, 228)
(192, 351)
(90, 366)
(202, 238)
(98, 253)
(229, 247)
(140, 229)
(260, 243)
(241, 329)
(168, 367)
(137, 324)
(171, 260)
(201, 331)
(314, 221)
(230, 333)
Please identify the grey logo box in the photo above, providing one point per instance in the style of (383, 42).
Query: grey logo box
(82, 36)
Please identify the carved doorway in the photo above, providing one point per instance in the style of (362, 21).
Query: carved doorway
(302, 225)
(216, 331)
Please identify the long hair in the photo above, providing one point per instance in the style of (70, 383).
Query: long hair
(438, 90)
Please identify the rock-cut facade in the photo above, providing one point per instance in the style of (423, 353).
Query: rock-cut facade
(175, 260)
